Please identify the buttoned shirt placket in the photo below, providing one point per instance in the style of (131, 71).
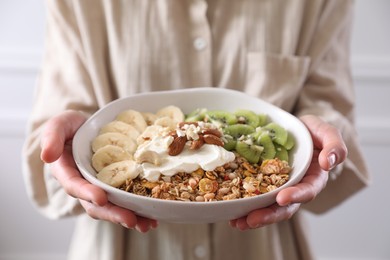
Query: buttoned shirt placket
(201, 58)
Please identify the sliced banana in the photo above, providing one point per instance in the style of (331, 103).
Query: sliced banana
(120, 127)
(149, 117)
(166, 121)
(117, 173)
(171, 111)
(149, 133)
(134, 118)
(116, 139)
(143, 155)
(107, 155)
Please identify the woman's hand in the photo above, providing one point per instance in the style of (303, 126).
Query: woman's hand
(56, 144)
(329, 151)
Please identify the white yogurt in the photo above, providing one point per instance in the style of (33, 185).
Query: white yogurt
(208, 157)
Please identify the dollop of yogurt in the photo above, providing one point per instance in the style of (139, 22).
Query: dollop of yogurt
(208, 157)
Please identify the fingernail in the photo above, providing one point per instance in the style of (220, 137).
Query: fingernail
(332, 161)
(124, 225)
(256, 226)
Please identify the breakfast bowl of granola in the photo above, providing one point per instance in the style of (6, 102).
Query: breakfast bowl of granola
(199, 155)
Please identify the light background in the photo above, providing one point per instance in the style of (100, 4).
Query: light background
(359, 229)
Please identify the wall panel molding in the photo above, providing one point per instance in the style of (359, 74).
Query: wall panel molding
(371, 68)
(13, 126)
(371, 131)
(20, 60)
(33, 256)
(374, 131)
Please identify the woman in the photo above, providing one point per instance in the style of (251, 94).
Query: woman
(294, 54)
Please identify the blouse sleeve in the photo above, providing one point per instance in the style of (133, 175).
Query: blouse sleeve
(329, 93)
(64, 83)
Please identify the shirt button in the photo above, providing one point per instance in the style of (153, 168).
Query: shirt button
(200, 43)
(200, 251)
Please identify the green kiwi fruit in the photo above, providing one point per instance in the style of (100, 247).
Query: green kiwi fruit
(263, 119)
(247, 117)
(229, 142)
(251, 152)
(258, 131)
(238, 130)
(278, 134)
(196, 115)
(281, 153)
(221, 117)
(290, 142)
(265, 141)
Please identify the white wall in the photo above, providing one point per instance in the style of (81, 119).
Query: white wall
(359, 229)
(24, 234)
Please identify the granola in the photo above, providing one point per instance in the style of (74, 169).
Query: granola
(234, 180)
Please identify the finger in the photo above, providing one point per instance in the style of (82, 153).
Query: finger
(273, 214)
(65, 171)
(119, 215)
(241, 224)
(309, 187)
(303, 192)
(328, 139)
(112, 213)
(57, 132)
(265, 216)
(145, 224)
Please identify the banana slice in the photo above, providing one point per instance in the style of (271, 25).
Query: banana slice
(107, 155)
(149, 133)
(143, 155)
(117, 173)
(120, 127)
(171, 111)
(134, 118)
(166, 121)
(116, 139)
(149, 117)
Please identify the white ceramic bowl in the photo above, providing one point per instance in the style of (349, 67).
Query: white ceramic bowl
(188, 100)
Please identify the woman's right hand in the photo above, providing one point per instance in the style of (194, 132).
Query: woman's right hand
(56, 144)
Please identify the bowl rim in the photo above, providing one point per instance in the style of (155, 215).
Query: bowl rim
(92, 179)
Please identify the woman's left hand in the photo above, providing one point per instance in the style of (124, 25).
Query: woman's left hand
(329, 151)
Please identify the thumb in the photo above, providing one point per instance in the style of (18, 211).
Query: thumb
(57, 131)
(328, 140)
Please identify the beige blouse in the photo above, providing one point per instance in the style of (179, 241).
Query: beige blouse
(294, 54)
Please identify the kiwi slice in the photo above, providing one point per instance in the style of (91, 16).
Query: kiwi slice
(249, 151)
(281, 153)
(290, 142)
(229, 143)
(278, 134)
(265, 141)
(222, 117)
(196, 115)
(258, 131)
(238, 130)
(247, 117)
(263, 119)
